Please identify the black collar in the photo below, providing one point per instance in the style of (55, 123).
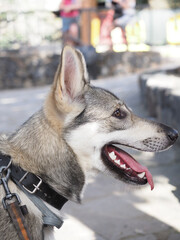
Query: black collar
(33, 184)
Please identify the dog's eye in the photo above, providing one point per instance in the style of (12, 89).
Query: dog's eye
(119, 114)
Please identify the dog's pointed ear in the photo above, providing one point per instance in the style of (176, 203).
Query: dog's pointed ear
(71, 77)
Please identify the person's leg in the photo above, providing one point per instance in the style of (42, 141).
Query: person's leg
(106, 27)
(122, 22)
(73, 30)
(71, 35)
(66, 23)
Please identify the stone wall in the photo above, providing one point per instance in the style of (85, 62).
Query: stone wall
(18, 71)
(34, 68)
(160, 92)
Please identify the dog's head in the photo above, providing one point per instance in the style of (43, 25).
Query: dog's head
(96, 123)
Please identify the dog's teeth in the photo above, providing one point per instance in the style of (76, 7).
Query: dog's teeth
(117, 161)
(123, 166)
(141, 175)
(112, 155)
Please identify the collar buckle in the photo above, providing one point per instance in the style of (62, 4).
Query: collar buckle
(35, 186)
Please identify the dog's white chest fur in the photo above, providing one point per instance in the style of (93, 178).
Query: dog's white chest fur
(49, 233)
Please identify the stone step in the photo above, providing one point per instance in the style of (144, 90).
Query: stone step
(160, 93)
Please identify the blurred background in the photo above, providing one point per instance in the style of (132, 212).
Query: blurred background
(132, 48)
(135, 35)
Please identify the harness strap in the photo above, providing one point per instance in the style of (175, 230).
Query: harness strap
(49, 218)
(36, 189)
(18, 221)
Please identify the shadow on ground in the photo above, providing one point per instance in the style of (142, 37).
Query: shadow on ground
(114, 214)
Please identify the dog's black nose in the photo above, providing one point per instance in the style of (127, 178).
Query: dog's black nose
(172, 135)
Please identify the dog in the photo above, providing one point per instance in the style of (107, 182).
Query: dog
(79, 130)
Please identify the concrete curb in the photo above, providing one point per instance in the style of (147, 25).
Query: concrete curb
(160, 93)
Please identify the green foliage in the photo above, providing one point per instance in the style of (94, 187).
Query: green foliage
(30, 28)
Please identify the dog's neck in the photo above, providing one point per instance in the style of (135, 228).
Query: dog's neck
(47, 155)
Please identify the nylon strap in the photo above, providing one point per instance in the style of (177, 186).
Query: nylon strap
(18, 221)
(49, 218)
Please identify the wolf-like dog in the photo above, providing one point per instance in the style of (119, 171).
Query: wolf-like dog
(79, 130)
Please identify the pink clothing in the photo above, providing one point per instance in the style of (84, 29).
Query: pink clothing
(73, 13)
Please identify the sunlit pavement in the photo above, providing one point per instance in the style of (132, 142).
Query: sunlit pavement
(111, 210)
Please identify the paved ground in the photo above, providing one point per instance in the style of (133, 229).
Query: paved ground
(111, 210)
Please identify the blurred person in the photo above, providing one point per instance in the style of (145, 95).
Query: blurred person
(117, 9)
(69, 12)
(106, 24)
(106, 28)
(127, 11)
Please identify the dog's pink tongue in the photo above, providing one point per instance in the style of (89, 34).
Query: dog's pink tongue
(129, 160)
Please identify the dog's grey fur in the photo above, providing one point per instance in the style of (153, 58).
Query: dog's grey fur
(62, 142)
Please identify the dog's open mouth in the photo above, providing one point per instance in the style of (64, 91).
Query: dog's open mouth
(127, 168)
